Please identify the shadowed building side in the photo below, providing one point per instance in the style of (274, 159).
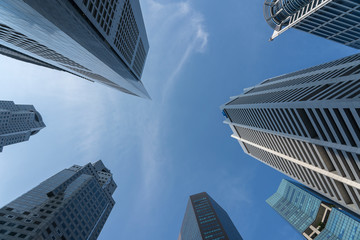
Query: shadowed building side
(101, 41)
(73, 204)
(205, 220)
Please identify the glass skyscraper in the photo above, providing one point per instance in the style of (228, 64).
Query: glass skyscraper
(71, 205)
(337, 20)
(101, 41)
(18, 123)
(306, 124)
(206, 220)
(312, 215)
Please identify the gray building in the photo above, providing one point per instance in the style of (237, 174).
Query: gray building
(312, 215)
(71, 205)
(205, 220)
(18, 123)
(101, 41)
(337, 20)
(306, 124)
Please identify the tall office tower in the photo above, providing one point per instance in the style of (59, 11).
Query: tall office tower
(312, 215)
(306, 125)
(18, 123)
(337, 20)
(206, 220)
(73, 205)
(102, 41)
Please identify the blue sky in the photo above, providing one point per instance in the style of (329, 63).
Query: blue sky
(161, 151)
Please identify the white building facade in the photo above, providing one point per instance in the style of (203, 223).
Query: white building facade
(337, 20)
(306, 125)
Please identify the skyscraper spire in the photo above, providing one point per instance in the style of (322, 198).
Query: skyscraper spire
(18, 123)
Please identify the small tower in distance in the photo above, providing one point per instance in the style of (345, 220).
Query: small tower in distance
(18, 123)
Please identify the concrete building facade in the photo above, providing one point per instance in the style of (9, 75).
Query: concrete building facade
(101, 41)
(205, 220)
(306, 125)
(18, 123)
(337, 20)
(71, 205)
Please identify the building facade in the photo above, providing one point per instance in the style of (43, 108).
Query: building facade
(206, 220)
(312, 215)
(71, 205)
(101, 41)
(18, 123)
(306, 125)
(337, 20)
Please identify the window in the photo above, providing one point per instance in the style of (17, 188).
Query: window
(20, 226)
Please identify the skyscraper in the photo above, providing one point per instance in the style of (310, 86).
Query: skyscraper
(337, 20)
(306, 124)
(18, 123)
(73, 205)
(205, 219)
(312, 215)
(101, 41)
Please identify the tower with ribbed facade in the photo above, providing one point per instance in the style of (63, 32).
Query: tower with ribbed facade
(101, 41)
(337, 20)
(18, 123)
(205, 220)
(74, 204)
(306, 124)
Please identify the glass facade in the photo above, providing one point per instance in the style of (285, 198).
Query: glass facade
(78, 37)
(313, 215)
(205, 219)
(71, 205)
(340, 225)
(294, 204)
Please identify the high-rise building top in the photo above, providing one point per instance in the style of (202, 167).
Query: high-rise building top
(206, 220)
(18, 123)
(336, 20)
(73, 204)
(306, 125)
(101, 41)
(312, 215)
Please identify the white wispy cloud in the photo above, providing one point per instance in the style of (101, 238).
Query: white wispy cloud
(176, 31)
(82, 118)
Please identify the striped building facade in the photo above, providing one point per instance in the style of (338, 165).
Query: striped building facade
(337, 20)
(100, 41)
(306, 125)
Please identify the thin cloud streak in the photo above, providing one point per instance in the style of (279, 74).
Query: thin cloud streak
(176, 31)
